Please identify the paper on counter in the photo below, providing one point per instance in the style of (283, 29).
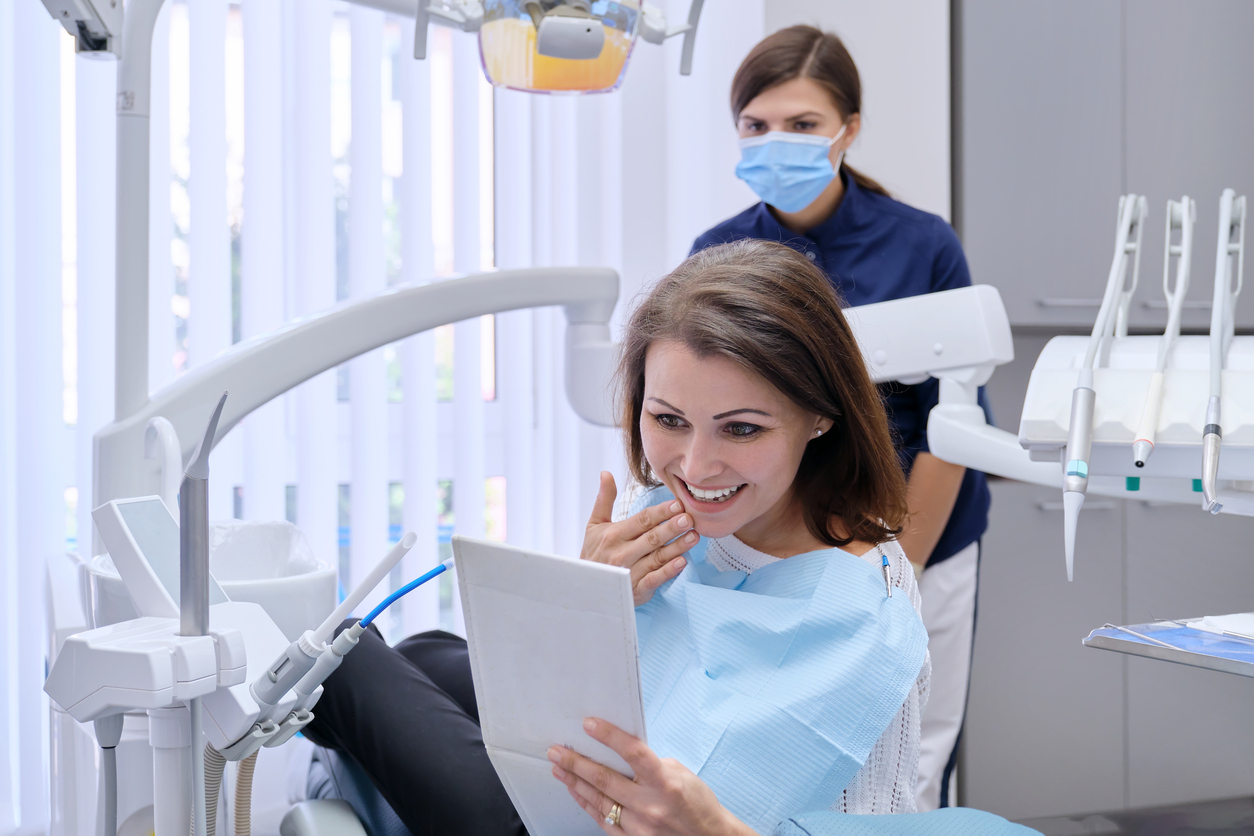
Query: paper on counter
(1241, 622)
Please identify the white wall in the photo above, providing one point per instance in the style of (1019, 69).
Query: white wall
(901, 48)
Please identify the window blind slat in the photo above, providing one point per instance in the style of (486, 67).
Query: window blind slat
(512, 142)
(209, 237)
(95, 148)
(11, 765)
(421, 609)
(160, 219)
(368, 495)
(469, 471)
(40, 431)
(317, 490)
(261, 245)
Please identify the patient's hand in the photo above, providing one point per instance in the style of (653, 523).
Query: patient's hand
(640, 543)
(664, 799)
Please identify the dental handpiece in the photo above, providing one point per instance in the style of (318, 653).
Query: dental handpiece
(1076, 471)
(1180, 215)
(1231, 220)
(1212, 434)
(1132, 211)
(303, 654)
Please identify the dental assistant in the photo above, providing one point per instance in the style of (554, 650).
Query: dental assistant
(796, 102)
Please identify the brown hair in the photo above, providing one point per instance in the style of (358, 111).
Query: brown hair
(763, 306)
(803, 52)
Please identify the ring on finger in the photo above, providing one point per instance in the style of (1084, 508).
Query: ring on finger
(614, 815)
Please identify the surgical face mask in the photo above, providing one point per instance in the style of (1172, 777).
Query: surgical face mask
(788, 170)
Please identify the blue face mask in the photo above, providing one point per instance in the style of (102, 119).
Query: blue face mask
(787, 170)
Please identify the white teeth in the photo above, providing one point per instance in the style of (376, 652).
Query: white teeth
(719, 495)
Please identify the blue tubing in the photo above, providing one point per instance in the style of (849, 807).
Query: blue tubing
(400, 593)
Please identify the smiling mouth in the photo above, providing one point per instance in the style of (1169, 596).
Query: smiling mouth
(713, 496)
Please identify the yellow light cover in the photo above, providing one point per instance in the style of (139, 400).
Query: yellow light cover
(507, 48)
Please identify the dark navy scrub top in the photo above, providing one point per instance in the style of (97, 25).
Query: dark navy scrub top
(873, 249)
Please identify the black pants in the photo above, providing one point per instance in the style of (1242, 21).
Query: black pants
(407, 716)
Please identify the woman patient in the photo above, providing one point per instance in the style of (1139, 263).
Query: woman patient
(783, 663)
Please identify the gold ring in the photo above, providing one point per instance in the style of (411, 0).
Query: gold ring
(616, 813)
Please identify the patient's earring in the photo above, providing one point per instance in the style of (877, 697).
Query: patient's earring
(818, 433)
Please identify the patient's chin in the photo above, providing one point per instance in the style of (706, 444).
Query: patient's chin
(712, 531)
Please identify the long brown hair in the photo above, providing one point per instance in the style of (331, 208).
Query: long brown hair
(803, 52)
(763, 306)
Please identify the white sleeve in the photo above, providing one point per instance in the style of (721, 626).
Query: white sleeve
(886, 782)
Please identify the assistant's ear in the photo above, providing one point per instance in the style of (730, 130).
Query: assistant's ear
(853, 125)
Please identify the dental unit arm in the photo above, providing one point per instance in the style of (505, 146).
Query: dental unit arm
(1181, 215)
(1231, 246)
(259, 370)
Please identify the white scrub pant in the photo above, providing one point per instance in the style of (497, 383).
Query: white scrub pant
(948, 593)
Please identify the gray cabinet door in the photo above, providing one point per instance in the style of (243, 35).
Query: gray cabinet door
(1062, 105)
(1189, 124)
(1189, 731)
(1041, 152)
(1044, 731)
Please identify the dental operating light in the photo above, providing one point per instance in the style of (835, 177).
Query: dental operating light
(538, 46)
(555, 46)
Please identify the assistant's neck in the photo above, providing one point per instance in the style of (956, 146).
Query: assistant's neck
(819, 210)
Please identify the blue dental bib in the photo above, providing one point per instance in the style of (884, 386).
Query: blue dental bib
(773, 687)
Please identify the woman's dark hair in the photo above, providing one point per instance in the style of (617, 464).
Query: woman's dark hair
(768, 309)
(803, 52)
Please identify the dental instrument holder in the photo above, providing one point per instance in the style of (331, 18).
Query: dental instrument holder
(1222, 329)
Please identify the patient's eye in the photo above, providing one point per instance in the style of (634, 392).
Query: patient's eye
(739, 429)
(669, 422)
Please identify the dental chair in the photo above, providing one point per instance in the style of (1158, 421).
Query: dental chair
(342, 801)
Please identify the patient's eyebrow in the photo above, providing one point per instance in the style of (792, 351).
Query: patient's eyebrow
(676, 409)
(723, 415)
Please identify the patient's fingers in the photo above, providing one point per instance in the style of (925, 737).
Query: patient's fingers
(589, 808)
(596, 803)
(639, 527)
(668, 552)
(659, 536)
(608, 781)
(643, 591)
(643, 760)
(603, 507)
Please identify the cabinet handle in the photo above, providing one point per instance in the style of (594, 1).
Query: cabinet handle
(1161, 305)
(1069, 303)
(1091, 505)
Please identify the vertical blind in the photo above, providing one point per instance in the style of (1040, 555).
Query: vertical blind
(301, 157)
